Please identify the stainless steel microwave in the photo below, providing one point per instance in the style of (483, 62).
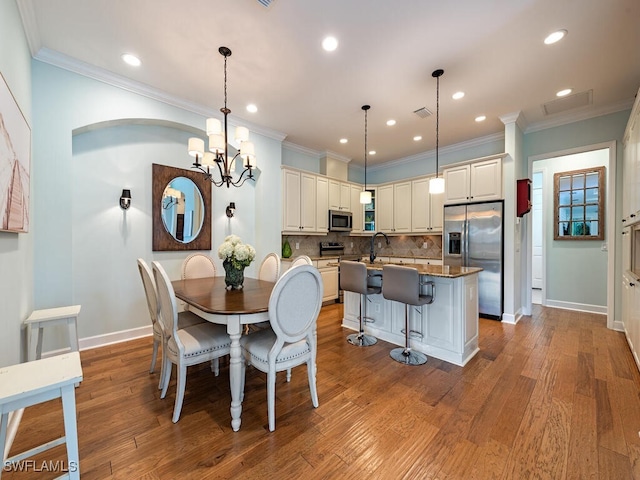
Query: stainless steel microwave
(340, 221)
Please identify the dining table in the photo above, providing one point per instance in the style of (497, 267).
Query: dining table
(210, 299)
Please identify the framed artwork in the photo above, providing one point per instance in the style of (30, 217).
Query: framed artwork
(579, 204)
(15, 160)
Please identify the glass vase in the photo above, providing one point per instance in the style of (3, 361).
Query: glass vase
(233, 277)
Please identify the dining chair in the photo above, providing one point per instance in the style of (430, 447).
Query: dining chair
(270, 268)
(198, 265)
(184, 346)
(301, 260)
(185, 319)
(294, 306)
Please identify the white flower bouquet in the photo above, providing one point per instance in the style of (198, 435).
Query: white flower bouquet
(239, 254)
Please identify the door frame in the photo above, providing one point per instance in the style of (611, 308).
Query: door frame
(610, 226)
(543, 172)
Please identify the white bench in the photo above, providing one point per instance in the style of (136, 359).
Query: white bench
(48, 317)
(30, 383)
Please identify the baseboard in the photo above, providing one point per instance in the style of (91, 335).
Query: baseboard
(580, 307)
(510, 318)
(107, 339)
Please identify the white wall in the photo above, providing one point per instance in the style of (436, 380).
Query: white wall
(16, 249)
(91, 141)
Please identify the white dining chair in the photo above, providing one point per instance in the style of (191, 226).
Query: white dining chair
(301, 260)
(198, 265)
(270, 268)
(185, 319)
(294, 306)
(184, 346)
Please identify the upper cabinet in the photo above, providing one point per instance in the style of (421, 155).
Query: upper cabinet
(426, 208)
(339, 195)
(304, 203)
(393, 208)
(474, 182)
(357, 209)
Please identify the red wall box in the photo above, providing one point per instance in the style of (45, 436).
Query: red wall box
(523, 190)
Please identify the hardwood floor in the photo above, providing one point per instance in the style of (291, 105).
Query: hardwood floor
(557, 396)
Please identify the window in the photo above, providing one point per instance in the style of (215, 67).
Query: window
(579, 204)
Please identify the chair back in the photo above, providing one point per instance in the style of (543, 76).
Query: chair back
(353, 277)
(402, 284)
(301, 260)
(149, 289)
(168, 311)
(295, 304)
(198, 265)
(270, 268)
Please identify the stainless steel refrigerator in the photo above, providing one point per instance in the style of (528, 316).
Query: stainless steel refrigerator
(473, 237)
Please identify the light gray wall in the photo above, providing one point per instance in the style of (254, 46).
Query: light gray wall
(16, 249)
(91, 141)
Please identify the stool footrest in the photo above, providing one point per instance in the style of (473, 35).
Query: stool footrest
(36, 450)
(413, 333)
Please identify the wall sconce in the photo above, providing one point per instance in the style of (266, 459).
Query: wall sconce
(125, 199)
(231, 209)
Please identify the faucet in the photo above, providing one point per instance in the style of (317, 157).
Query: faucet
(372, 251)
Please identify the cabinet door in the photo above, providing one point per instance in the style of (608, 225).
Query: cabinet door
(322, 204)
(291, 200)
(456, 184)
(402, 207)
(329, 283)
(485, 180)
(420, 217)
(384, 208)
(345, 197)
(308, 202)
(334, 195)
(357, 209)
(436, 212)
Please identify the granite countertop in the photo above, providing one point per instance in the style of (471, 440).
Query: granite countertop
(432, 270)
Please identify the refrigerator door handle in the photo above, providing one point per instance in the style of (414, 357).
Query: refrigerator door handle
(465, 261)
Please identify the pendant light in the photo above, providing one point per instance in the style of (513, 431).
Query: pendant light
(365, 196)
(436, 185)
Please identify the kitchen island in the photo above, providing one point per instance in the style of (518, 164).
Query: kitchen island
(448, 326)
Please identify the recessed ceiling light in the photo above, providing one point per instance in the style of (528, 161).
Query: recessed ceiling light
(343, 140)
(391, 123)
(131, 59)
(372, 152)
(555, 37)
(564, 93)
(330, 43)
(481, 118)
(252, 108)
(417, 138)
(457, 95)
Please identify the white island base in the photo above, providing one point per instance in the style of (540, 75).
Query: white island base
(449, 325)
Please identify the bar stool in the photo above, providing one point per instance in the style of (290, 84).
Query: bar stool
(354, 278)
(402, 284)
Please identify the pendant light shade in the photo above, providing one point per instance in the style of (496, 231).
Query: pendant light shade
(365, 196)
(436, 185)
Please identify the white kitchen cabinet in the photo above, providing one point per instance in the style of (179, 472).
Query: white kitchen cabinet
(357, 209)
(339, 195)
(329, 272)
(402, 260)
(474, 182)
(393, 208)
(429, 261)
(322, 204)
(299, 203)
(426, 208)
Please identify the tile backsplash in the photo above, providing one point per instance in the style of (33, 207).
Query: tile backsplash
(415, 245)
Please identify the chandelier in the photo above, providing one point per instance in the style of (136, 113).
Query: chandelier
(436, 185)
(218, 154)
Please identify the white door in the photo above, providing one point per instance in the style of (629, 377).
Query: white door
(537, 269)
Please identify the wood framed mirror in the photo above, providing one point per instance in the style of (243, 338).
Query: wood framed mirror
(181, 202)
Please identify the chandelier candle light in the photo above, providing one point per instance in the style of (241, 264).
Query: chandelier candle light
(436, 185)
(218, 154)
(365, 196)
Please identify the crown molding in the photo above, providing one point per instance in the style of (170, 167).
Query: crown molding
(475, 142)
(65, 62)
(336, 156)
(30, 25)
(583, 114)
(294, 147)
(515, 117)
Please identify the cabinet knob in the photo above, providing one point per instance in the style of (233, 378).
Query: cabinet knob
(631, 284)
(632, 215)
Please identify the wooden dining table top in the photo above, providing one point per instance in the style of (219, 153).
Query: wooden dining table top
(211, 295)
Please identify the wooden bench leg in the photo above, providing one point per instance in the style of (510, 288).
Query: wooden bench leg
(71, 430)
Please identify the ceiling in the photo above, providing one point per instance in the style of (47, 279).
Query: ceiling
(491, 49)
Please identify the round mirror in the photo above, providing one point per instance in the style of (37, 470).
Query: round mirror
(182, 209)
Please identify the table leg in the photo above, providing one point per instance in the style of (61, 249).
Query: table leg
(234, 329)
